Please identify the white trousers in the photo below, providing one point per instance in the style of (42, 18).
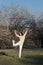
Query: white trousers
(20, 47)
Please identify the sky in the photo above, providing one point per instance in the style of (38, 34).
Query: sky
(33, 5)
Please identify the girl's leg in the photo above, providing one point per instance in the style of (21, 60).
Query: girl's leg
(15, 44)
(20, 50)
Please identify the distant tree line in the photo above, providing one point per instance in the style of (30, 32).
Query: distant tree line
(16, 18)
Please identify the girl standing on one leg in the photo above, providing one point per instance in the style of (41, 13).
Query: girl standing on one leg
(20, 42)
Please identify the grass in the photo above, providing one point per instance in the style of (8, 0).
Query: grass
(29, 57)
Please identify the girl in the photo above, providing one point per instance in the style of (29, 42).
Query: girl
(20, 42)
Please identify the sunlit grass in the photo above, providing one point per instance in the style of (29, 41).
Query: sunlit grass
(29, 57)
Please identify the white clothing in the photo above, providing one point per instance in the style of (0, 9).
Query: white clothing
(20, 43)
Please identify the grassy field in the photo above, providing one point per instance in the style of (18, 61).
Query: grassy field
(29, 57)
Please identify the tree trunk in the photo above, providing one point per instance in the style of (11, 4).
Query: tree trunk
(42, 43)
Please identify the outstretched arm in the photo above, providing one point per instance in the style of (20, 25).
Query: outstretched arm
(16, 33)
(25, 32)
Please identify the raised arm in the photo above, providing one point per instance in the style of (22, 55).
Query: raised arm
(25, 32)
(16, 34)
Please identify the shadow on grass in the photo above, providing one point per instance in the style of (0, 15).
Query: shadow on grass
(3, 53)
(32, 60)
